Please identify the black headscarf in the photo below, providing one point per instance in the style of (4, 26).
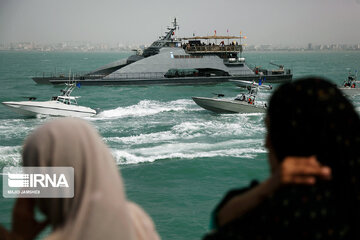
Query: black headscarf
(309, 117)
(312, 117)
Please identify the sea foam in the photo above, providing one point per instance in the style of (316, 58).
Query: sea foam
(145, 108)
(232, 148)
(10, 155)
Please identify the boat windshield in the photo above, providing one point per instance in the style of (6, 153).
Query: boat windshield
(65, 97)
(67, 100)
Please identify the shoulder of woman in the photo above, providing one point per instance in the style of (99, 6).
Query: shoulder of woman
(144, 226)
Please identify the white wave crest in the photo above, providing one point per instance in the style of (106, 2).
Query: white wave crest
(10, 155)
(234, 148)
(144, 138)
(241, 127)
(145, 108)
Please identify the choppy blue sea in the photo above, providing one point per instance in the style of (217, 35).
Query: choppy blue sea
(177, 159)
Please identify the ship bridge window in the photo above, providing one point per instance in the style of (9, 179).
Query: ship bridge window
(170, 44)
(156, 44)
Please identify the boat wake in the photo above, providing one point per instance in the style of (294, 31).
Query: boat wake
(145, 108)
(188, 151)
(226, 137)
(197, 129)
(139, 134)
(10, 156)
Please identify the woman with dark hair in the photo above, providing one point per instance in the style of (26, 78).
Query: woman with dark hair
(310, 119)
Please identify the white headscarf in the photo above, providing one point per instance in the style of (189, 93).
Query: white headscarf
(99, 209)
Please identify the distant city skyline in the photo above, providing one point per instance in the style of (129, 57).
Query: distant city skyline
(275, 22)
(96, 47)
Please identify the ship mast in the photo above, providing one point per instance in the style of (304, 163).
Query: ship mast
(241, 47)
(171, 30)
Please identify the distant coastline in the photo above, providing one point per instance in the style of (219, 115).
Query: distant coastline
(103, 47)
(129, 51)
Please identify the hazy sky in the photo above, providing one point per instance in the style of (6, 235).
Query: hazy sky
(287, 22)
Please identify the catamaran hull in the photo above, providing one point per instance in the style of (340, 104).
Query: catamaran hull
(227, 106)
(53, 109)
(173, 81)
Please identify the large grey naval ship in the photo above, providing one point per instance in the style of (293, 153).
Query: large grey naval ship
(173, 61)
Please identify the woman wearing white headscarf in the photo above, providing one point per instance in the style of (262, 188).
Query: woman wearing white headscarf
(99, 209)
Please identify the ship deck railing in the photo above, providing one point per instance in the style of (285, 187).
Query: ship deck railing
(135, 75)
(213, 49)
(65, 75)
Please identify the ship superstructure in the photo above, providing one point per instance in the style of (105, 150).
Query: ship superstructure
(170, 60)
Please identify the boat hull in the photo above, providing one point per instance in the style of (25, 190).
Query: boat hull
(228, 106)
(53, 108)
(171, 81)
(350, 91)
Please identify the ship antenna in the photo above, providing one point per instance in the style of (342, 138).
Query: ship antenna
(175, 24)
(69, 75)
(170, 30)
(240, 46)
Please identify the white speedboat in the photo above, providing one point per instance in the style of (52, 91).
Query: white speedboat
(241, 104)
(63, 105)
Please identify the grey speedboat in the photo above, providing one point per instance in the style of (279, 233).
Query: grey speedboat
(248, 85)
(241, 104)
(172, 61)
(351, 85)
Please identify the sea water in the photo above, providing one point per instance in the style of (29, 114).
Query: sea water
(177, 159)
